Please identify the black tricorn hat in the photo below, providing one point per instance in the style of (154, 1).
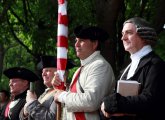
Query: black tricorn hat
(22, 73)
(48, 61)
(51, 61)
(91, 32)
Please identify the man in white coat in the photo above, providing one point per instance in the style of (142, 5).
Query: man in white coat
(95, 80)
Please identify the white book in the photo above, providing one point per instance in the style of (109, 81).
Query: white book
(128, 87)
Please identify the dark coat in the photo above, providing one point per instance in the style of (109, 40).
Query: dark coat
(150, 102)
(2, 111)
(42, 109)
(14, 111)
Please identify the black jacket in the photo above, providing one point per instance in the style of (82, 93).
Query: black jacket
(15, 110)
(150, 102)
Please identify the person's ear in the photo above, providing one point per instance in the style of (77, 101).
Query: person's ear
(95, 44)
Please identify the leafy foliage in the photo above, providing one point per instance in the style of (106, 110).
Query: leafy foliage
(160, 49)
(28, 28)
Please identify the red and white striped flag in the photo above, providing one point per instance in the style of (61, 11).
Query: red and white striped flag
(62, 40)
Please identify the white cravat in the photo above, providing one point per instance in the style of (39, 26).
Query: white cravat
(136, 59)
(133, 67)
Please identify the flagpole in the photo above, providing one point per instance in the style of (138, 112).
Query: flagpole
(62, 47)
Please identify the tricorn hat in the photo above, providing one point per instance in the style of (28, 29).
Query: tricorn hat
(51, 61)
(48, 61)
(22, 73)
(91, 32)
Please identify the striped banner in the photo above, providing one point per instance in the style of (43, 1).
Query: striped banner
(62, 40)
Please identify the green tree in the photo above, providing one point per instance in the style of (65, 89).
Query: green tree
(28, 28)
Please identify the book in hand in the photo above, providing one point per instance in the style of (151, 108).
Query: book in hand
(128, 87)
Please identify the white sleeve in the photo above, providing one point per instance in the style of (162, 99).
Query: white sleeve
(62, 97)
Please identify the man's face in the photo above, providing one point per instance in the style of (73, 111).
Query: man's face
(85, 47)
(131, 40)
(47, 75)
(18, 85)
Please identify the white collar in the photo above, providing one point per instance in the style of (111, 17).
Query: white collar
(141, 53)
(88, 59)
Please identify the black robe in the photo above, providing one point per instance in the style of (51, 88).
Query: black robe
(150, 102)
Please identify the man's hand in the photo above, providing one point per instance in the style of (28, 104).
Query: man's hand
(103, 111)
(30, 96)
(56, 80)
(108, 115)
(25, 112)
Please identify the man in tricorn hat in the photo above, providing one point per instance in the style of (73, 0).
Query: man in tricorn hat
(19, 84)
(147, 68)
(93, 82)
(43, 108)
